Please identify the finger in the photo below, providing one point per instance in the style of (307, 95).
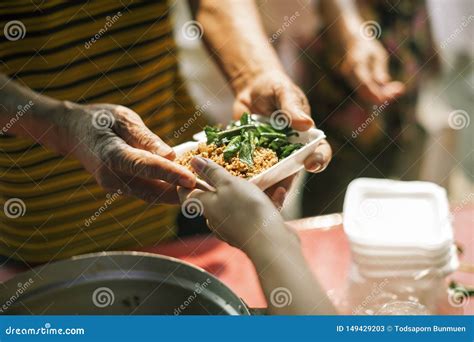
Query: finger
(320, 159)
(295, 105)
(133, 130)
(278, 197)
(366, 86)
(380, 70)
(144, 164)
(277, 192)
(152, 191)
(205, 197)
(212, 173)
(238, 109)
(202, 185)
(394, 89)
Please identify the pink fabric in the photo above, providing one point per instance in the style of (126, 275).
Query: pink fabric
(326, 251)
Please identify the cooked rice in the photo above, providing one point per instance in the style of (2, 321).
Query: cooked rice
(263, 158)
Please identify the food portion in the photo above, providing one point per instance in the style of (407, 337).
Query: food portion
(245, 148)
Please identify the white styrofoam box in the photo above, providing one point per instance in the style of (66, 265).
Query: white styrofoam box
(284, 168)
(379, 271)
(381, 213)
(406, 261)
(399, 252)
(384, 251)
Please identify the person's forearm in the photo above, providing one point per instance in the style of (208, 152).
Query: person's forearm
(287, 281)
(341, 18)
(235, 37)
(26, 113)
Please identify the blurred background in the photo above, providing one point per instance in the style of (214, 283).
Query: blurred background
(423, 134)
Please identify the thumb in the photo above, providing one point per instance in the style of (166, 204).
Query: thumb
(380, 71)
(133, 130)
(212, 173)
(238, 108)
(394, 89)
(294, 104)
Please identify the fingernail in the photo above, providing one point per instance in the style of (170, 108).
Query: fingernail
(198, 163)
(316, 163)
(319, 158)
(163, 150)
(305, 117)
(313, 166)
(302, 114)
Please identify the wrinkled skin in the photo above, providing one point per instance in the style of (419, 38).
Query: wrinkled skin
(275, 91)
(122, 153)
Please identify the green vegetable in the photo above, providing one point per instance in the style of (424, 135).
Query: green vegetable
(242, 137)
(245, 119)
(232, 148)
(289, 149)
(211, 134)
(274, 135)
(246, 153)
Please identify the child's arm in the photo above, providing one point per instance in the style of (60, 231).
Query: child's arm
(242, 215)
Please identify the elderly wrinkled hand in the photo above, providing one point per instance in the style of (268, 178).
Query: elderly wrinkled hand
(114, 145)
(274, 94)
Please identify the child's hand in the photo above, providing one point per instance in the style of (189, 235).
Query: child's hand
(241, 214)
(238, 211)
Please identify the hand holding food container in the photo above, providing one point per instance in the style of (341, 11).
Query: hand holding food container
(236, 203)
(254, 148)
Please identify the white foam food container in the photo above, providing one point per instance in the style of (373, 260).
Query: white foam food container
(395, 215)
(284, 168)
(407, 260)
(379, 271)
(394, 251)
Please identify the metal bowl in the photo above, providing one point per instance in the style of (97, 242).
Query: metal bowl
(119, 283)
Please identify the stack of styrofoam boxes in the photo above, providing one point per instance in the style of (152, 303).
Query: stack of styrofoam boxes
(399, 229)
